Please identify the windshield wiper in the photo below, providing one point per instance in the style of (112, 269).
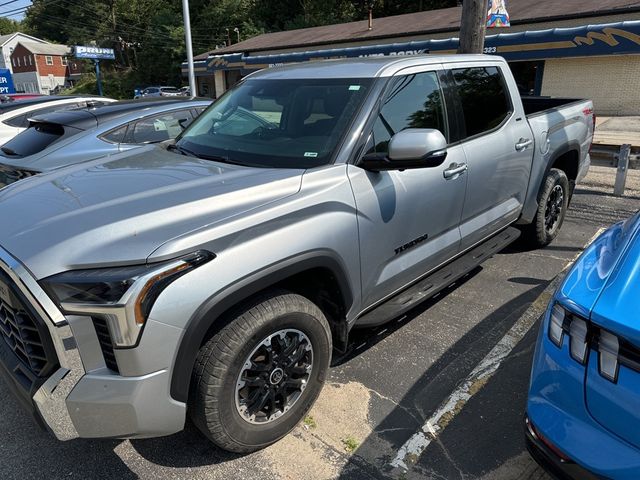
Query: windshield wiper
(182, 150)
(204, 156)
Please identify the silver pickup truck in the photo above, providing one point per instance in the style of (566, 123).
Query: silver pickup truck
(214, 277)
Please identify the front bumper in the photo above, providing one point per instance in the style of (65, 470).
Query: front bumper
(82, 397)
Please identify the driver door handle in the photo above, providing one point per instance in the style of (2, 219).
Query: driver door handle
(454, 170)
(523, 143)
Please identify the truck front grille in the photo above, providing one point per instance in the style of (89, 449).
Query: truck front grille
(24, 332)
(22, 336)
(106, 345)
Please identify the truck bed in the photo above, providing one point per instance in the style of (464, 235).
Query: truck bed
(537, 105)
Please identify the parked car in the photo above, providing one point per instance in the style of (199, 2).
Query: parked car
(159, 92)
(58, 139)
(214, 276)
(186, 91)
(582, 413)
(14, 116)
(12, 97)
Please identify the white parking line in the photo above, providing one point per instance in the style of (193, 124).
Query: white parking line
(410, 452)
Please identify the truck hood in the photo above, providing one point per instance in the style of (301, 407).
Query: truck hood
(117, 210)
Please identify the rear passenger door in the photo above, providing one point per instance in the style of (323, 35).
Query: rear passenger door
(497, 142)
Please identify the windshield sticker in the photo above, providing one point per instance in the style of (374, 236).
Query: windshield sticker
(311, 154)
(354, 87)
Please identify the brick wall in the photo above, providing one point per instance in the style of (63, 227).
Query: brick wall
(612, 82)
(57, 69)
(22, 54)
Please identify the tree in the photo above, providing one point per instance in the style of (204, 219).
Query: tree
(8, 26)
(473, 26)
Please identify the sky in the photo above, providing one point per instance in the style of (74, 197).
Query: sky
(8, 8)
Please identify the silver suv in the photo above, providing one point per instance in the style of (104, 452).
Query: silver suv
(215, 277)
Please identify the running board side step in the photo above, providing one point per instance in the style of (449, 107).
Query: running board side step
(438, 280)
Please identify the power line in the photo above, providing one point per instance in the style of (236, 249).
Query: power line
(7, 3)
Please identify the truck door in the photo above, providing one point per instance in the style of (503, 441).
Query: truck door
(498, 146)
(408, 220)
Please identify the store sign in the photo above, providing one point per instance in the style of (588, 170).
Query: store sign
(498, 16)
(96, 53)
(6, 82)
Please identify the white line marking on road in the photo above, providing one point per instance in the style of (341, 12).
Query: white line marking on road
(410, 452)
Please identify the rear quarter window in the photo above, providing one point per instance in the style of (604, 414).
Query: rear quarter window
(484, 98)
(116, 135)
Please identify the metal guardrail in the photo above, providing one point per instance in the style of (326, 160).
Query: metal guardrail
(623, 159)
(623, 168)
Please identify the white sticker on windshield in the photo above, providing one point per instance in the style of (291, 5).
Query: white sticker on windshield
(354, 87)
(311, 154)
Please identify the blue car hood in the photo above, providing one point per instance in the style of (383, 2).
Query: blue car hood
(604, 283)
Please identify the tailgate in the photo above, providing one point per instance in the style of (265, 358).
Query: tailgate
(612, 386)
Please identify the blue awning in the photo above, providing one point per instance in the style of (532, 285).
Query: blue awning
(589, 40)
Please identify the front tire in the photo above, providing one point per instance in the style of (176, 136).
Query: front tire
(552, 209)
(257, 377)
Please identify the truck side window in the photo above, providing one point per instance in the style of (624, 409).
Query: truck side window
(484, 98)
(414, 101)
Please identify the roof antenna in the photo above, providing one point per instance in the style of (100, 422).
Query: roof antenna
(370, 7)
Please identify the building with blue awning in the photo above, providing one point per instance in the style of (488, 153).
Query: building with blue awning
(572, 51)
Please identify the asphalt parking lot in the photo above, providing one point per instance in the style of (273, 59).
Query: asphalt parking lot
(380, 395)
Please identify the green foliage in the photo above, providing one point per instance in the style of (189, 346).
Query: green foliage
(350, 444)
(148, 35)
(8, 25)
(310, 422)
(118, 85)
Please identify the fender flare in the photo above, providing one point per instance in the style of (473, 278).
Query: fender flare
(211, 309)
(570, 146)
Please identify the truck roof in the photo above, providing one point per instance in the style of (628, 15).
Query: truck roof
(369, 67)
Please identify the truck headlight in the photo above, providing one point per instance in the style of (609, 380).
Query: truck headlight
(123, 296)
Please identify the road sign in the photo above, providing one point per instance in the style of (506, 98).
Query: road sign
(6, 82)
(95, 53)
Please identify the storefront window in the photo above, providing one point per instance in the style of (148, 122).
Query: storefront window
(528, 76)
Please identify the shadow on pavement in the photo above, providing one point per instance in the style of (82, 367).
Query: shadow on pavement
(436, 384)
(361, 340)
(185, 449)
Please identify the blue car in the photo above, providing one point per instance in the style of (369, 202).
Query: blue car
(583, 410)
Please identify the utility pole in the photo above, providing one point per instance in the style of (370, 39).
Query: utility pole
(187, 37)
(473, 26)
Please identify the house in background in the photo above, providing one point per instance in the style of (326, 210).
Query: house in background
(8, 44)
(43, 67)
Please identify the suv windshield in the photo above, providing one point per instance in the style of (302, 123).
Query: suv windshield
(277, 123)
(169, 90)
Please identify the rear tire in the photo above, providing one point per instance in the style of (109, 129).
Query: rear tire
(552, 208)
(257, 377)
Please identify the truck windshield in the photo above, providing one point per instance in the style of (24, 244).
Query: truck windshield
(276, 123)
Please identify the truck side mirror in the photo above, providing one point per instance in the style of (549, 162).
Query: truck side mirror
(408, 149)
